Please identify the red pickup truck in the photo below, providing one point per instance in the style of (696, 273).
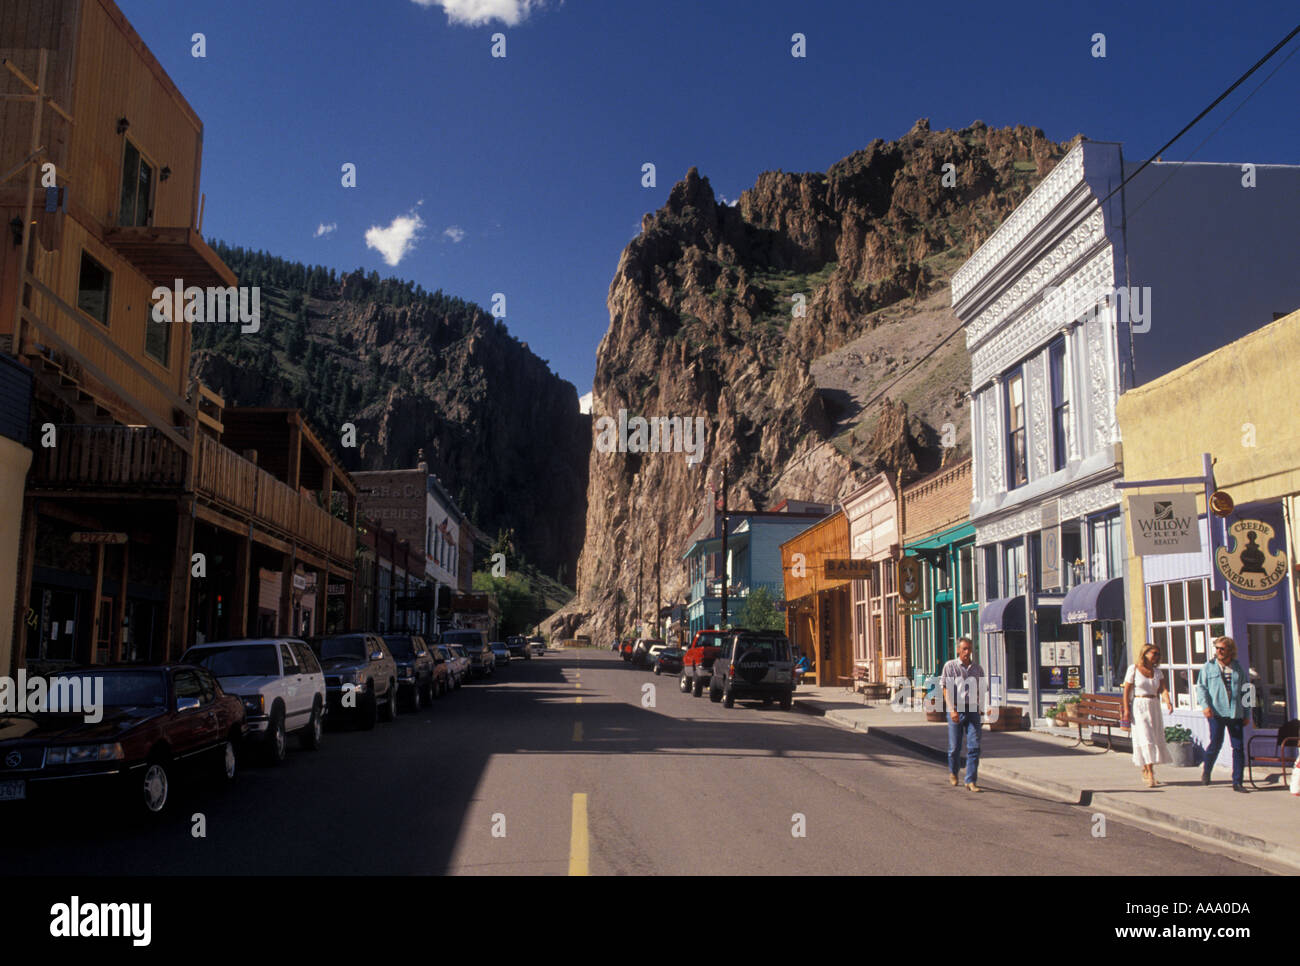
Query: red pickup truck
(697, 662)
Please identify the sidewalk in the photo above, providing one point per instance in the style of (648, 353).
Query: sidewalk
(1261, 829)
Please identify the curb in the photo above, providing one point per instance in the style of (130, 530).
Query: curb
(1249, 849)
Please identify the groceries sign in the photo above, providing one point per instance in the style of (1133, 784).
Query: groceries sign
(1165, 523)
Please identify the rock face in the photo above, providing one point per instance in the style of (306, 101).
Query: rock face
(722, 311)
(437, 374)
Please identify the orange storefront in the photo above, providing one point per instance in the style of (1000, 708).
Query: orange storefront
(819, 616)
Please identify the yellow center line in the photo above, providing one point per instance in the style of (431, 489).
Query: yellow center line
(578, 699)
(578, 838)
(577, 731)
(576, 685)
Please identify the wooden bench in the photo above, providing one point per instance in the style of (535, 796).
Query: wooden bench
(1095, 711)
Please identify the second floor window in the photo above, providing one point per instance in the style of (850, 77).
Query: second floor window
(1017, 463)
(137, 189)
(1060, 405)
(94, 289)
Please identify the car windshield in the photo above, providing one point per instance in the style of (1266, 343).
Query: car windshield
(127, 689)
(457, 649)
(764, 648)
(248, 660)
(400, 645)
(346, 647)
(445, 652)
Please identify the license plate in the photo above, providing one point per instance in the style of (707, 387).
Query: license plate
(13, 791)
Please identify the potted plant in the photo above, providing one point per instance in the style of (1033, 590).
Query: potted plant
(1179, 740)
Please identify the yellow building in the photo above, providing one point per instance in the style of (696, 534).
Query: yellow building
(1228, 421)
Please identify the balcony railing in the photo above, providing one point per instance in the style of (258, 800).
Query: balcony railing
(132, 458)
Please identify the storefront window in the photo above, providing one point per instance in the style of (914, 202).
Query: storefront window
(992, 586)
(1185, 615)
(1107, 546)
(966, 591)
(1017, 661)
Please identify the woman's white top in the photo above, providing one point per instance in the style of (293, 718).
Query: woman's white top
(1148, 687)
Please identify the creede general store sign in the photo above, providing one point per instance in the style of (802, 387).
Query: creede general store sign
(1252, 570)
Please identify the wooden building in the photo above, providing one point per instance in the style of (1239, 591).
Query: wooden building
(818, 615)
(145, 518)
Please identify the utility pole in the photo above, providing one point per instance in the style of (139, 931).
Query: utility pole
(725, 574)
(640, 561)
(659, 595)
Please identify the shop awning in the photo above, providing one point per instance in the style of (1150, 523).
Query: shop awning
(1003, 614)
(1101, 600)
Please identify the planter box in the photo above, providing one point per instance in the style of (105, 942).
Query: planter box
(1183, 753)
(1009, 719)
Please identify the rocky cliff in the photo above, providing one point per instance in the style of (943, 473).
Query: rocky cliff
(417, 371)
(809, 324)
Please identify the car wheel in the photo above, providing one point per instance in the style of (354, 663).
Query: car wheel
(698, 689)
(389, 712)
(368, 711)
(417, 697)
(276, 743)
(715, 694)
(684, 683)
(227, 761)
(154, 788)
(787, 700)
(728, 699)
(311, 735)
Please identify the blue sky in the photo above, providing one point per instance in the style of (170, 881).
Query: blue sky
(525, 171)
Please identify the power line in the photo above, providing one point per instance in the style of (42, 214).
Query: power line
(1213, 104)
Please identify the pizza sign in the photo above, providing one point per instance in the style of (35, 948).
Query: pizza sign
(1252, 570)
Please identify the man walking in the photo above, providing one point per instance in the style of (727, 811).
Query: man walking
(1219, 690)
(961, 698)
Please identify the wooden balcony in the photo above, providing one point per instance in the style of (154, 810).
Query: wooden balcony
(127, 460)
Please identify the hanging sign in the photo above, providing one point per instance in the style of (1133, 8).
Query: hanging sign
(1165, 523)
(848, 568)
(1253, 572)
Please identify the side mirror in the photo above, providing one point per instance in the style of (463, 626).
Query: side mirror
(187, 704)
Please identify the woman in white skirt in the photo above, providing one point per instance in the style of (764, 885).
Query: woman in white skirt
(1144, 686)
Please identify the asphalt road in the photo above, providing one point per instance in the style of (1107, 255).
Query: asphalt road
(557, 766)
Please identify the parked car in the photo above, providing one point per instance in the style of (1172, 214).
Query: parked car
(156, 719)
(537, 645)
(668, 661)
(501, 653)
(280, 683)
(653, 652)
(417, 671)
(518, 645)
(641, 651)
(482, 661)
(753, 664)
(457, 663)
(360, 676)
(697, 662)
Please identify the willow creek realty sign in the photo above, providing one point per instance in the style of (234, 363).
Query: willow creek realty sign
(1165, 523)
(1251, 569)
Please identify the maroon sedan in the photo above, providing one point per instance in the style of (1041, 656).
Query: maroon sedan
(137, 725)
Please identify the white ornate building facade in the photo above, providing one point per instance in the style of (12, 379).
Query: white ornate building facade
(1057, 306)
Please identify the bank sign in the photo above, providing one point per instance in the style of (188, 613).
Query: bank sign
(1252, 569)
(1164, 523)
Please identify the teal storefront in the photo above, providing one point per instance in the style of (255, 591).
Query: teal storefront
(949, 599)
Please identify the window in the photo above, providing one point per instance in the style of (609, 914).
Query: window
(158, 339)
(1184, 616)
(1060, 404)
(137, 189)
(966, 557)
(94, 289)
(992, 587)
(1017, 465)
(1106, 539)
(1014, 574)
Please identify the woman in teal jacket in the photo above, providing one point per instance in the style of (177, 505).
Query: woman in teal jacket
(1220, 690)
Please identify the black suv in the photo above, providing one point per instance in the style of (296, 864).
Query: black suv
(360, 676)
(518, 646)
(416, 669)
(753, 664)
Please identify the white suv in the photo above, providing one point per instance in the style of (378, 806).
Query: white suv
(280, 682)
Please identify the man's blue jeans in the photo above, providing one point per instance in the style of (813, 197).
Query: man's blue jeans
(1233, 727)
(968, 722)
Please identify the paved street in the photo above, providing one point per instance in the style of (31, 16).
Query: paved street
(551, 746)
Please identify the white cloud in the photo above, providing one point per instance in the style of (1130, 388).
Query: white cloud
(584, 403)
(325, 229)
(476, 13)
(397, 240)
(454, 232)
